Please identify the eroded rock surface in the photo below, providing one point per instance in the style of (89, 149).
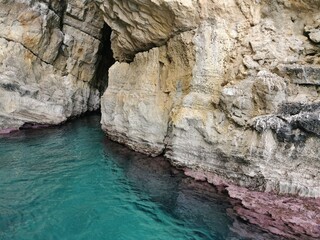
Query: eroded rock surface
(234, 93)
(48, 58)
(136, 107)
(292, 218)
(287, 216)
(237, 95)
(228, 87)
(140, 25)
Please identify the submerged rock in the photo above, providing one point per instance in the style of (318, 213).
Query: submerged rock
(293, 218)
(287, 216)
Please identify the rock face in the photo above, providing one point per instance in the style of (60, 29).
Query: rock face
(226, 87)
(48, 59)
(137, 105)
(230, 87)
(292, 218)
(287, 216)
(140, 25)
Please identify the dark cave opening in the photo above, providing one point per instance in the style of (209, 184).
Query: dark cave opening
(105, 60)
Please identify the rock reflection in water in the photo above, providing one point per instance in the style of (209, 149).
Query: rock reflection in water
(198, 204)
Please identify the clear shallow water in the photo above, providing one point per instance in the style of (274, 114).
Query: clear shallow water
(70, 182)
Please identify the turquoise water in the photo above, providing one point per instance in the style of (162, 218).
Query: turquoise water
(70, 182)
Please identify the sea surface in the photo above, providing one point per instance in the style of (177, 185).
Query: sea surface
(71, 182)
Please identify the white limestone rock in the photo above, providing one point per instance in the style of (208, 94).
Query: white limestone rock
(135, 107)
(47, 61)
(140, 25)
(236, 79)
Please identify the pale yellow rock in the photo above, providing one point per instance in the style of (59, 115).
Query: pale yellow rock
(33, 91)
(136, 106)
(241, 113)
(140, 25)
(48, 58)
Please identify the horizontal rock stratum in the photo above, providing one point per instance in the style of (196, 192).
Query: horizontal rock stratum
(229, 89)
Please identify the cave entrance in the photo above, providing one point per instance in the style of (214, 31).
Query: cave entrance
(105, 60)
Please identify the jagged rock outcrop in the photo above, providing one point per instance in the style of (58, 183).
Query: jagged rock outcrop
(48, 59)
(234, 93)
(140, 25)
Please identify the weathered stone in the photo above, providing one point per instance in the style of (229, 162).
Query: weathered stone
(229, 87)
(286, 216)
(137, 112)
(227, 118)
(128, 114)
(279, 215)
(48, 57)
(301, 74)
(35, 27)
(313, 31)
(140, 25)
(304, 116)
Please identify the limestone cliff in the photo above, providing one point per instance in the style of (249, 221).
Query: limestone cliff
(48, 60)
(229, 91)
(230, 87)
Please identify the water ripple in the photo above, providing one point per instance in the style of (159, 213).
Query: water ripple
(70, 182)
